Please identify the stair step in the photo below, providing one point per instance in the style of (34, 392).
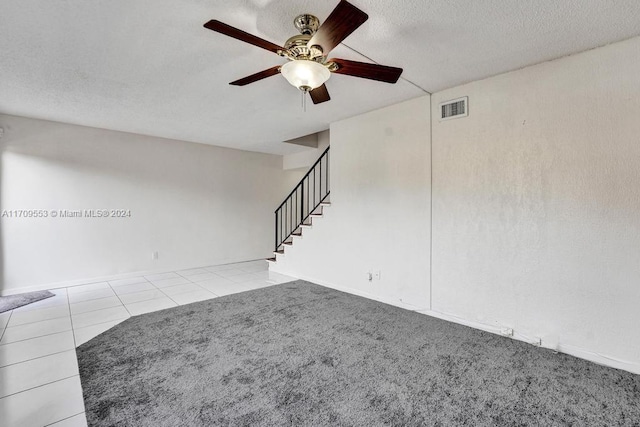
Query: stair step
(297, 233)
(271, 259)
(281, 251)
(325, 203)
(318, 215)
(288, 243)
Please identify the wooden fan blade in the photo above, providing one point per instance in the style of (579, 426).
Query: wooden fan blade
(230, 31)
(320, 95)
(257, 76)
(343, 21)
(381, 73)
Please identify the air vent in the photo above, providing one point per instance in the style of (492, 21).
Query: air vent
(454, 109)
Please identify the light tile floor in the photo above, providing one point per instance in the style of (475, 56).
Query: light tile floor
(39, 377)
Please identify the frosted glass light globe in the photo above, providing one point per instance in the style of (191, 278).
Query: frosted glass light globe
(304, 74)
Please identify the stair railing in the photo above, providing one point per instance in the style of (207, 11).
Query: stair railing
(303, 201)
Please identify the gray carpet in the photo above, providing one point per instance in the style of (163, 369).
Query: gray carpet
(10, 302)
(301, 354)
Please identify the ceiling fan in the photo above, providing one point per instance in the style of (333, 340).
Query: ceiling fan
(308, 68)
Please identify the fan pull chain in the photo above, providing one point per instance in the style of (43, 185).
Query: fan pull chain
(304, 101)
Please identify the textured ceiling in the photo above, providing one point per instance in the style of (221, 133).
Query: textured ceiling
(150, 67)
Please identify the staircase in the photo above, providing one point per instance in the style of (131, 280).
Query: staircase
(304, 204)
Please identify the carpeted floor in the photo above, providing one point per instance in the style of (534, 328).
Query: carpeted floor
(301, 354)
(11, 302)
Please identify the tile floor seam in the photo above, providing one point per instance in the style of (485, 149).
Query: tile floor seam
(117, 296)
(167, 295)
(181, 284)
(202, 287)
(92, 299)
(35, 321)
(27, 339)
(41, 385)
(102, 323)
(162, 295)
(157, 288)
(39, 357)
(188, 282)
(96, 299)
(72, 289)
(32, 309)
(91, 311)
(6, 325)
(55, 422)
(73, 331)
(130, 284)
(136, 291)
(192, 283)
(134, 283)
(190, 292)
(37, 336)
(82, 284)
(187, 276)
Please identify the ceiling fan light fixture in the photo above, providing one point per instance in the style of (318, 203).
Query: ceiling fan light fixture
(305, 75)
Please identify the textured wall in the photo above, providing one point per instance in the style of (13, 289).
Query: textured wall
(379, 220)
(536, 198)
(535, 206)
(194, 204)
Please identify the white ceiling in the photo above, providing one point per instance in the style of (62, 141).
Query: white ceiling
(149, 67)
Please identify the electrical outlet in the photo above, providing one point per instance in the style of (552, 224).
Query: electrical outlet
(154, 255)
(537, 342)
(377, 275)
(507, 332)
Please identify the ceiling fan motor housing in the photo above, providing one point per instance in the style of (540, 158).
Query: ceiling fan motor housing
(297, 46)
(307, 24)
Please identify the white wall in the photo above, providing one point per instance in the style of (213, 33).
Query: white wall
(536, 204)
(194, 204)
(379, 218)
